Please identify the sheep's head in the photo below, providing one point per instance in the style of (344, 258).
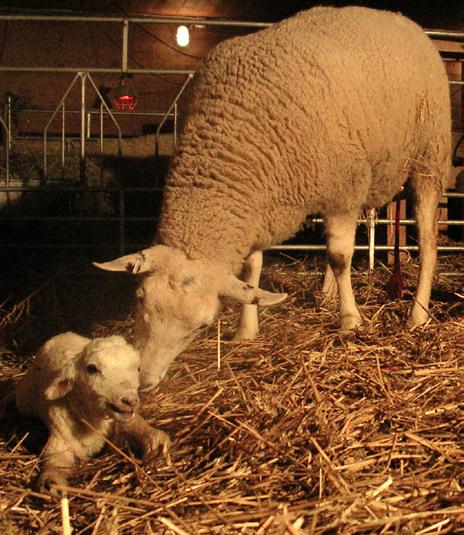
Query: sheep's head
(104, 378)
(177, 299)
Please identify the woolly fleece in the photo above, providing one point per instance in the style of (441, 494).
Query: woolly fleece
(326, 112)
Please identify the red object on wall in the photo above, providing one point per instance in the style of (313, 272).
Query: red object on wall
(125, 96)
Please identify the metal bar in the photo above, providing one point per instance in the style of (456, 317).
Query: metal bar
(63, 135)
(58, 70)
(371, 235)
(297, 247)
(8, 119)
(50, 121)
(136, 20)
(110, 113)
(122, 221)
(7, 152)
(175, 127)
(101, 127)
(94, 112)
(82, 135)
(125, 42)
(171, 107)
(434, 34)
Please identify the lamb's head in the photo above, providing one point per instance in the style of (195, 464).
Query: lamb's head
(104, 378)
(177, 298)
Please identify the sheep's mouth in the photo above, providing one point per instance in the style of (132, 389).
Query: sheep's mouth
(121, 414)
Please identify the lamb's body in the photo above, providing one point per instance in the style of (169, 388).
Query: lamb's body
(324, 113)
(83, 390)
(327, 112)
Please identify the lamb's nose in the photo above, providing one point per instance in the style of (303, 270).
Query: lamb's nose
(130, 401)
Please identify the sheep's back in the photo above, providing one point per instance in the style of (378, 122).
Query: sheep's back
(321, 113)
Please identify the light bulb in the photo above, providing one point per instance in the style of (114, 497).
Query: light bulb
(182, 36)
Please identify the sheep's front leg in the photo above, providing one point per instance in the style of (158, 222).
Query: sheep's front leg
(58, 462)
(248, 324)
(152, 440)
(341, 230)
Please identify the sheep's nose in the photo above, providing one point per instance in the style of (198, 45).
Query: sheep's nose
(130, 401)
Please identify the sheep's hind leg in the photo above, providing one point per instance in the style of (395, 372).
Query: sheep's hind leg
(341, 230)
(426, 203)
(248, 324)
(329, 286)
(58, 463)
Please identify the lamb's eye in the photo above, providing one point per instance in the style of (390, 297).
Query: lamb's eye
(201, 327)
(91, 369)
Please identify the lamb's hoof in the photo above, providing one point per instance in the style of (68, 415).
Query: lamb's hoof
(51, 483)
(158, 442)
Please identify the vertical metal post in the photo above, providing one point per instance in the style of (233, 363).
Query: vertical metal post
(89, 125)
(175, 127)
(101, 128)
(63, 134)
(371, 236)
(82, 135)
(125, 45)
(122, 219)
(45, 170)
(7, 162)
(8, 119)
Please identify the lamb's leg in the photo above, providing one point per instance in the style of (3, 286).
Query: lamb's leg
(341, 230)
(248, 324)
(426, 202)
(153, 441)
(58, 462)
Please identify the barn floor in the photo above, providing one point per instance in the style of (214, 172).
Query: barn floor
(300, 431)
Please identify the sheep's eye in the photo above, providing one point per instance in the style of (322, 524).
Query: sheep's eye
(91, 369)
(201, 327)
(139, 293)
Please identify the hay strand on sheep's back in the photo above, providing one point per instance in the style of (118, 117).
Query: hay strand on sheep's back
(299, 431)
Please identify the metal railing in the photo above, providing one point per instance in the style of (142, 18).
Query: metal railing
(83, 77)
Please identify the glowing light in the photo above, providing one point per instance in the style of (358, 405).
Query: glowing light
(183, 36)
(125, 96)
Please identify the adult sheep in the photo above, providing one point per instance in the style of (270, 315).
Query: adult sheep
(327, 112)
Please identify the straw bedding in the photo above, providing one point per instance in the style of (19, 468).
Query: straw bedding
(299, 431)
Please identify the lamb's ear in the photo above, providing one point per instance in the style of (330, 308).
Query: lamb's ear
(131, 263)
(62, 383)
(242, 292)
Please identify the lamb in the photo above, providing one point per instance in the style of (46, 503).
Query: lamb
(83, 390)
(328, 112)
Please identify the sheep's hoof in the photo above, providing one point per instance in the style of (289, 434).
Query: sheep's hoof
(418, 317)
(244, 335)
(158, 442)
(50, 483)
(349, 323)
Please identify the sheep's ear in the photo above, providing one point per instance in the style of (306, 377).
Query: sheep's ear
(244, 293)
(62, 383)
(132, 263)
